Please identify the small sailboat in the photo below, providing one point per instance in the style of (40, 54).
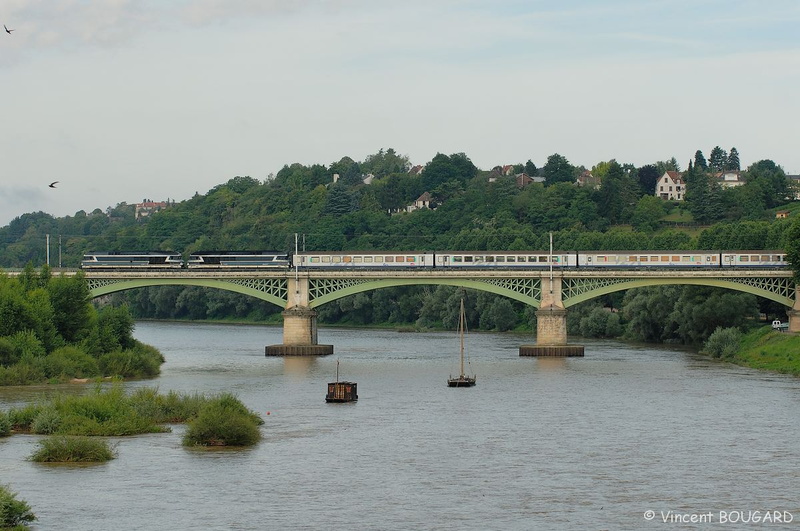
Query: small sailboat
(341, 391)
(462, 380)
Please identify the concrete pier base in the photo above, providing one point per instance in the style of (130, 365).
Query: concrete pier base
(299, 335)
(555, 351)
(298, 350)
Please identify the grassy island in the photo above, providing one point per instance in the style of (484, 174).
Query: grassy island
(219, 420)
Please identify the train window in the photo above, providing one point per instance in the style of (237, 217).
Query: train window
(479, 259)
(326, 259)
(467, 259)
(765, 258)
(754, 258)
(347, 259)
(398, 258)
(490, 259)
(643, 259)
(631, 259)
(411, 259)
(556, 259)
(714, 258)
(654, 259)
(500, 259)
(776, 258)
(542, 259)
(676, 258)
(337, 259)
(390, 259)
(744, 258)
(665, 258)
(457, 259)
(511, 259)
(314, 259)
(368, 260)
(357, 259)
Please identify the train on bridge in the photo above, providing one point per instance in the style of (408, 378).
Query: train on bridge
(455, 260)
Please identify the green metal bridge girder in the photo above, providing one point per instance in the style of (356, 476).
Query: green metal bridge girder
(323, 291)
(781, 290)
(270, 290)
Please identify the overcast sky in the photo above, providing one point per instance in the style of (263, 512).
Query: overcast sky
(122, 100)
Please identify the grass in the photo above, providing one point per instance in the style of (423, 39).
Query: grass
(69, 449)
(766, 349)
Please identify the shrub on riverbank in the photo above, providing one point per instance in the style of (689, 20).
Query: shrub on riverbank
(70, 449)
(723, 343)
(223, 421)
(14, 513)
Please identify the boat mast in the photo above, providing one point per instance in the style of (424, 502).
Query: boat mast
(461, 331)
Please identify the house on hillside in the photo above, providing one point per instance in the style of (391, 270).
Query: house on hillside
(794, 182)
(588, 180)
(671, 187)
(781, 214)
(148, 207)
(423, 201)
(729, 178)
(416, 170)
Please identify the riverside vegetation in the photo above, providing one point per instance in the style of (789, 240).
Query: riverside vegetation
(471, 209)
(50, 331)
(219, 420)
(14, 513)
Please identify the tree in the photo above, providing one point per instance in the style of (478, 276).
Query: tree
(791, 244)
(771, 181)
(530, 168)
(648, 213)
(718, 159)
(557, 169)
(648, 177)
(733, 160)
(385, 163)
(700, 160)
(441, 168)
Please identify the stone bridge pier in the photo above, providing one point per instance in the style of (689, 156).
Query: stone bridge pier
(551, 324)
(794, 313)
(299, 325)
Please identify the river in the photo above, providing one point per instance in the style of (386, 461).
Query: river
(580, 443)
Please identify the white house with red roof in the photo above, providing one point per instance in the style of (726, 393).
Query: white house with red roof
(671, 187)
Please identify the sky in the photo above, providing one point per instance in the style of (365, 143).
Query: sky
(122, 100)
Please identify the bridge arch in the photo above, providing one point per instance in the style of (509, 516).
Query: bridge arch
(269, 290)
(525, 290)
(780, 290)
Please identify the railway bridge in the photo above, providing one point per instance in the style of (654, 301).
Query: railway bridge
(299, 292)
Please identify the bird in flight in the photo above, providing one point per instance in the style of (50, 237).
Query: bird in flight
(7, 30)
(53, 184)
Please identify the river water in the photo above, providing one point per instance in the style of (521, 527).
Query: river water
(581, 443)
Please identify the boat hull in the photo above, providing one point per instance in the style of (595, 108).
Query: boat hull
(461, 382)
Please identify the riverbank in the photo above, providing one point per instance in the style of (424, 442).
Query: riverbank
(769, 350)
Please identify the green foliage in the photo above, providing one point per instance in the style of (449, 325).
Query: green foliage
(5, 424)
(763, 348)
(224, 421)
(13, 512)
(557, 170)
(791, 244)
(141, 361)
(723, 343)
(70, 362)
(68, 449)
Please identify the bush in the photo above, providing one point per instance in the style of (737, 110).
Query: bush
(66, 449)
(723, 343)
(13, 512)
(46, 422)
(141, 361)
(70, 362)
(224, 421)
(5, 425)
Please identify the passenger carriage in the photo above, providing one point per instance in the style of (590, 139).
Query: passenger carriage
(363, 260)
